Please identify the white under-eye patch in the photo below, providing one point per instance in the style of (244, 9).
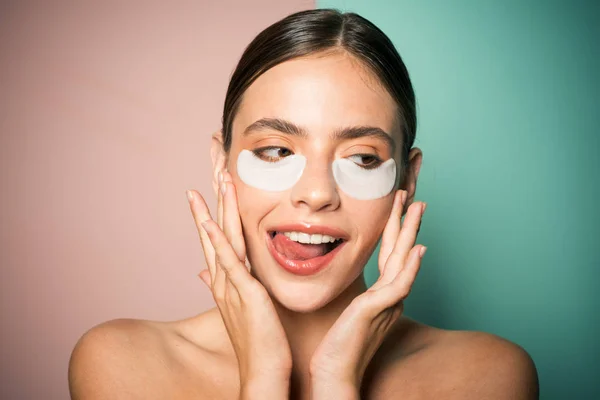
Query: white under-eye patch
(270, 176)
(364, 184)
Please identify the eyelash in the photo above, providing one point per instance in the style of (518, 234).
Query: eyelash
(260, 154)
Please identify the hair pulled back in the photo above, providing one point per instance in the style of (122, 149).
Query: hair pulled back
(316, 31)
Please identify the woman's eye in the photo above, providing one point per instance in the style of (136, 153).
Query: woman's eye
(275, 153)
(366, 161)
(271, 153)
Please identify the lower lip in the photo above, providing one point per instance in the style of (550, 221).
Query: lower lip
(302, 267)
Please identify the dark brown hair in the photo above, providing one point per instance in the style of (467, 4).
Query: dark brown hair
(317, 31)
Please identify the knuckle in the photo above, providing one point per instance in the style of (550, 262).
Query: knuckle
(219, 296)
(362, 302)
(229, 297)
(404, 291)
(226, 268)
(221, 264)
(397, 253)
(256, 290)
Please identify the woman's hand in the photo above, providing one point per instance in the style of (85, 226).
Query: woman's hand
(254, 328)
(340, 360)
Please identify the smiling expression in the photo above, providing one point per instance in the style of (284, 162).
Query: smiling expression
(324, 108)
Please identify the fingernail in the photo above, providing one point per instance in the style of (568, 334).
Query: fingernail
(424, 207)
(190, 196)
(223, 187)
(404, 194)
(422, 251)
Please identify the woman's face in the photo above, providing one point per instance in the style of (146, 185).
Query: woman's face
(320, 95)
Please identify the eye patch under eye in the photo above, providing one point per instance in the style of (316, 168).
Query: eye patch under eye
(364, 184)
(270, 176)
(355, 181)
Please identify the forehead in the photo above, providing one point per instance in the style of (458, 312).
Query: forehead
(320, 93)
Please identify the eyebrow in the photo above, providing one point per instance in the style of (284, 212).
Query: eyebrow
(352, 132)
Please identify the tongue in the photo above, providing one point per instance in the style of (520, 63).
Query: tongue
(298, 251)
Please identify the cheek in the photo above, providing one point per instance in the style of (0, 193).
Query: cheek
(370, 217)
(246, 204)
(253, 205)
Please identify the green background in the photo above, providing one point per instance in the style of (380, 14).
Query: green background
(508, 105)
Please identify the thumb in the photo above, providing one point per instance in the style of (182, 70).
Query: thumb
(205, 276)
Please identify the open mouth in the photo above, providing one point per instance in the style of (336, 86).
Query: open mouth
(303, 248)
(303, 258)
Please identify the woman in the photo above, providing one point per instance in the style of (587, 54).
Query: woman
(314, 164)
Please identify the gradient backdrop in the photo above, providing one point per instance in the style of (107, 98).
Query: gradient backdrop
(106, 111)
(508, 99)
(105, 117)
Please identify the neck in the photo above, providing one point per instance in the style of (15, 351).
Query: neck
(305, 331)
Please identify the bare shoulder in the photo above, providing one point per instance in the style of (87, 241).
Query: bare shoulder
(136, 359)
(485, 366)
(115, 358)
(461, 365)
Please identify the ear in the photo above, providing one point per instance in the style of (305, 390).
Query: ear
(219, 158)
(415, 158)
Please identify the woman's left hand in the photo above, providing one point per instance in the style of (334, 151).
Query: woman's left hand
(346, 350)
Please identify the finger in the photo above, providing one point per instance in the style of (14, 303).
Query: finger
(204, 275)
(201, 213)
(392, 229)
(218, 284)
(232, 295)
(220, 202)
(220, 280)
(405, 241)
(223, 287)
(399, 288)
(403, 282)
(232, 225)
(227, 259)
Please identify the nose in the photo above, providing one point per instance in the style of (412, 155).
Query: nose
(316, 188)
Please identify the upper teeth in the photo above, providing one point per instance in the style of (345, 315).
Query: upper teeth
(312, 239)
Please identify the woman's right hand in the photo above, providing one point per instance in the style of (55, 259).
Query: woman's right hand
(258, 338)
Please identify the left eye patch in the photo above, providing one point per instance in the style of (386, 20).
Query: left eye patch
(270, 176)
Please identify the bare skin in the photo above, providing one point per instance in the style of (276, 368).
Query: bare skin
(195, 359)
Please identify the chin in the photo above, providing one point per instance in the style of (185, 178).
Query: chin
(309, 293)
(303, 298)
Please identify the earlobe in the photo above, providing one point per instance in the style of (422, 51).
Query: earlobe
(216, 146)
(415, 159)
(218, 157)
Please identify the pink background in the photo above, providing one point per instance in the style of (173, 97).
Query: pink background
(106, 112)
